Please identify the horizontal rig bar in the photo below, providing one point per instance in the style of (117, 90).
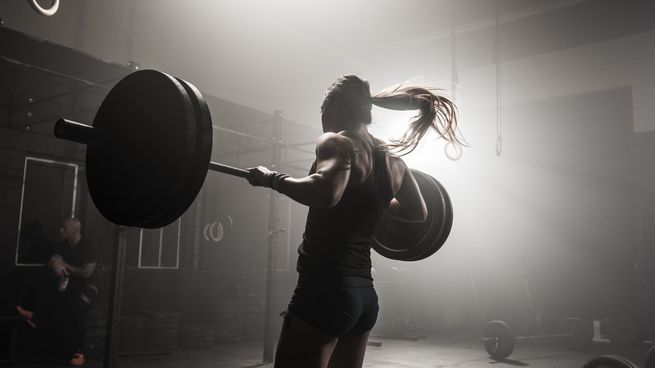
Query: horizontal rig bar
(262, 139)
(52, 72)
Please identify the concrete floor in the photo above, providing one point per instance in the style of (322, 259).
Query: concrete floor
(426, 353)
(430, 352)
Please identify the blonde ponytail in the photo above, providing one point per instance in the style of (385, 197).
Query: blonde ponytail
(435, 111)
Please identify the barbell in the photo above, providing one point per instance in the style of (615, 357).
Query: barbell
(499, 341)
(148, 153)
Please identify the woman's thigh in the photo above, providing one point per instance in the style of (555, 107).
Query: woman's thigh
(349, 351)
(303, 346)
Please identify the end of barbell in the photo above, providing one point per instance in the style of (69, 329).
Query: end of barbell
(76, 132)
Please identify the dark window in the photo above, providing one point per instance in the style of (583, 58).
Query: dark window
(49, 195)
(159, 248)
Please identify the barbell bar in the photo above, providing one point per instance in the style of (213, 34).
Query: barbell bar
(148, 153)
(499, 341)
(86, 134)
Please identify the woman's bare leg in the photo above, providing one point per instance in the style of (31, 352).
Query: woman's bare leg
(349, 352)
(303, 346)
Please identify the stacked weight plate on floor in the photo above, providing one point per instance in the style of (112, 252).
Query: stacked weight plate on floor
(413, 241)
(161, 331)
(131, 334)
(96, 326)
(196, 335)
(251, 297)
(228, 326)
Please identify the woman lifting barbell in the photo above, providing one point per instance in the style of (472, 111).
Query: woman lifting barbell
(354, 180)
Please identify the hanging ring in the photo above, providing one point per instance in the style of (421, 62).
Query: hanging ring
(453, 156)
(499, 145)
(52, 10)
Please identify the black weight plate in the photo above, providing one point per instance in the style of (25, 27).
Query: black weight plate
(498, 340)
(196, 328)
(196, 333)
(199, 340)
(609, 361)
(160, 314)
(127, 330)
(445, 212)
(649, 362)
(145, 174)
(204, 135)
(197, 345)
(160, 338)
(413, 241)
(163, 347)
(161, 326)
(581, 333)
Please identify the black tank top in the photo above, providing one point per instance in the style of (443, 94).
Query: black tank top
(337, 241)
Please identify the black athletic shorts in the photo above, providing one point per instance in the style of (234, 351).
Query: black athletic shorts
(347, 306)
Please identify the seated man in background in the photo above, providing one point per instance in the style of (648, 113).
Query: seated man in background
(73, 263)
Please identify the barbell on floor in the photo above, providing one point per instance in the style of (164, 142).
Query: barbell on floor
(148, 153)
(499, 342)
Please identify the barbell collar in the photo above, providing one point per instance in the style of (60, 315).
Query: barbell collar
(76, 132)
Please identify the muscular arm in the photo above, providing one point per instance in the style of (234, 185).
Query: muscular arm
(325, 187)
(56, 262)
(408, 204)
(58, 265)
(84, 272)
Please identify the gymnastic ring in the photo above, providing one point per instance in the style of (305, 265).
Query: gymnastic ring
(52, 10)
(458, 151)
(499, 145)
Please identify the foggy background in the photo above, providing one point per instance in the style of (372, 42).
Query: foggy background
(560, 223)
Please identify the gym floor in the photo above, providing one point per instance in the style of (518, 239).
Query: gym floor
(432, 352)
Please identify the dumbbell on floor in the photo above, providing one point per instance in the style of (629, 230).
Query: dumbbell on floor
(499, 342)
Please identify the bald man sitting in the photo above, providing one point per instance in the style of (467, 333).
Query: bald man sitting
(73, 263)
